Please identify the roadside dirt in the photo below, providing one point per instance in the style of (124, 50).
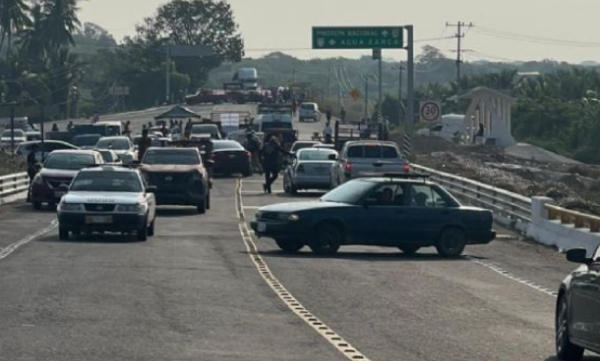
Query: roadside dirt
(574, 187)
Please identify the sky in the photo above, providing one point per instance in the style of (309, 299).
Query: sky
(503, 30)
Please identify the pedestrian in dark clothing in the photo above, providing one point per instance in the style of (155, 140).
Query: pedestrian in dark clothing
(145, 143)
(328, 116)
(32, 162)
(55, 127)
(271, 159)
(252, 145)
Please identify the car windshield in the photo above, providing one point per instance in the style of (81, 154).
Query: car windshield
(107, 182)
(350, 192)
(204, 129)
(307, 107)
(69, 161)
(108, 156)
(85, 140)
(113, 143)
(18, 133)
(228, 144)
(171, 157)
(310, 154)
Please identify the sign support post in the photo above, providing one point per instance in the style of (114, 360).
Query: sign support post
(168, 76)
(380, 106)
(410, 87)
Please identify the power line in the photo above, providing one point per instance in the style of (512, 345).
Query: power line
(534, 39)
(459, 35)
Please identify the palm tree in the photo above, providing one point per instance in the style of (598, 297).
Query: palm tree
(31, 40)
(13, 19)
(59, 23)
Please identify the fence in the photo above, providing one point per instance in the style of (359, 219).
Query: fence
(13, 187)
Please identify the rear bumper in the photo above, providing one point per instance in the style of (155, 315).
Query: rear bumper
(179, 198)
(481, 237)
(120, 222)
(323, 182)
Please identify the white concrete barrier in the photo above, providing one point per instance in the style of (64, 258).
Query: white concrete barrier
(559, 232)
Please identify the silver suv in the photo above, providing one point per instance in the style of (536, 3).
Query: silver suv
(367, 158)
(309, 111)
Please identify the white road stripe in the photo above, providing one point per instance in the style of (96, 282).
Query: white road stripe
(344, 347)
(5, 252)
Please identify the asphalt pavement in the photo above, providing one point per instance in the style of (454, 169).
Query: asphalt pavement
(197, 291)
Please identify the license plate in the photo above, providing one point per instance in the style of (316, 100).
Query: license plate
(98, 219)
(59, 194)
(262, 227)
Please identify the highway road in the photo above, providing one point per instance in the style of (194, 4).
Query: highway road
(206, 289)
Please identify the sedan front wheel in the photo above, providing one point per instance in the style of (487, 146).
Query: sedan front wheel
(565, 350)
(289, 245)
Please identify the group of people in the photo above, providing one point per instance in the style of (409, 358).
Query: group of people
(268, 158)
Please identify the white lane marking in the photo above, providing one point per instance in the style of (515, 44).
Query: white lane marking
(512, 277)
(253, 192)
(251, 207)
(286, 296)
(5, 252)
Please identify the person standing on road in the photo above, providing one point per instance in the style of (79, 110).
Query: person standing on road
(328, 115)
(32, 162)
(70, 126)
(327, 133)
(253, 146)
(271, 157)
(145, 143)
(343, 115)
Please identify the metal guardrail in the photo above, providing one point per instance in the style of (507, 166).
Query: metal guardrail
(13, 183)
(509, 204)
(578, 219)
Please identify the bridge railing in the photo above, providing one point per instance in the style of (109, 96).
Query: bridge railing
(12, 185)
(508, 204)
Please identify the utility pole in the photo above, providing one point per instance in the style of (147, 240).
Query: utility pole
(168, 75)
(459, 35)
(366, 79)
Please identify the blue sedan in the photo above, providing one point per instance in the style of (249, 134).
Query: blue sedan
(404, 212)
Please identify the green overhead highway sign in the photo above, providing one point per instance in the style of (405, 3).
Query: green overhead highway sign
(372, 37)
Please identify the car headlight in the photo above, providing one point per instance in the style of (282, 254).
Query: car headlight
(131, 208)
(289, 217)
(38, 180)
(71, 207)
(196, 177)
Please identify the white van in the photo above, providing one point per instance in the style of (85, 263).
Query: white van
(115, 128)
(309, 111)
(265, 122)
(450, 127)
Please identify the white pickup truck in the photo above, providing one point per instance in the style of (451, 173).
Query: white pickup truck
(367, 158)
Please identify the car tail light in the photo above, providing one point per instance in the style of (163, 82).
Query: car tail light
(348, 168)
(300, 168)
(249, 154)
(406, 168)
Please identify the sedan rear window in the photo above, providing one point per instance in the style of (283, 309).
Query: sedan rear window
(172, 157)
(107, 182)
(227, 144)
(69, 161)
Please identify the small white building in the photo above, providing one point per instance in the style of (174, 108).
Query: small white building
(490, 110)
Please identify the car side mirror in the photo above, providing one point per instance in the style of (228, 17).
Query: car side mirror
(332, 157)
(63, 188)
(578, 255)
(210, 163)
(151, 189)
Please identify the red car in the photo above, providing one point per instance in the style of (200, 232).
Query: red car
(60, 168)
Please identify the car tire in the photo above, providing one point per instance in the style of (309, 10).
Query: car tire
(202, 207)
(293, 189)
(565, 350)
(451, 243)
(63, 234)
(142, 233)
(151, 229)
(208, 201)
(290, 246)
(37, 205)
(328, 239)
(248, 172)
(409, 250)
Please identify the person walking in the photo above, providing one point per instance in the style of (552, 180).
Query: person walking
(252, 145)
(271, 157)
(145, 143)
(32, 162)
(343, 114)
(327, 133)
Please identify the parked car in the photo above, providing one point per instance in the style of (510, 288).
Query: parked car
(367, 158)
(86, 141)
(301, 144)
(230, 157)
(311, 169)
(49, 147)
(59, 169)
(202, 130)
(577, 307)
(121, 145)
(324, 146)
(391, 211)
(309, 111)
(179, 176)
(107, 199)
(7, 136)
(110, 157)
